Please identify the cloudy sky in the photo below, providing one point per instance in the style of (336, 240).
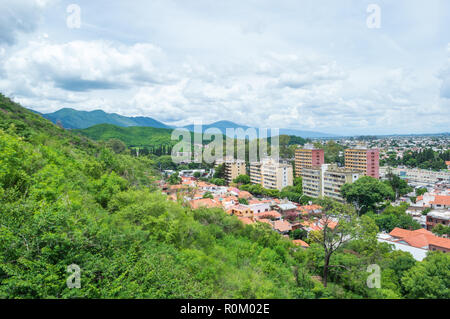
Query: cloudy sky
(301, 64)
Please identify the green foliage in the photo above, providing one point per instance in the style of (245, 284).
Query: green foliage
(243, 201)
(430, 278)
(441, 230)
(395, 216)
(242, 179)
(366, 193)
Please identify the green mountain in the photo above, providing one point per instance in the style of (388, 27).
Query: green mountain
(131, 136)
(74, 119)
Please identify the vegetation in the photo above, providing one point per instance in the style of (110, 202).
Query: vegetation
(425, 159)
(65, 200)
(367, 193)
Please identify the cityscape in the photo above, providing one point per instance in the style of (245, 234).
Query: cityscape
(220, 159)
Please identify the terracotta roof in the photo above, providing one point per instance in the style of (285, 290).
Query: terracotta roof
(300, 242)
(420, 238)
(204, 202)
(441, 200)
(244, 194)
(272, 213)
(282, 225)
(263, 220)
(447, 163)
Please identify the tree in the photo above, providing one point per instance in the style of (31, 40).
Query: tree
(219, 171)
(116, 145)
(242, 179)
(174, 179)
(197, 174)
(340, 225)
(243, 201)
(398, 185)
(208, 195)
(421, 191)
(429, 278)
(366, 193)
(441, 230)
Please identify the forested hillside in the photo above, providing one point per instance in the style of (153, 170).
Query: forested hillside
(65, 200)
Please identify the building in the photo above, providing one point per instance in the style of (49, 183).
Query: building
(271, 174)
(364, 160)
(233, 168)
(420, 238)
(312, 181)
(333, 178)
(417, 175)
(448, 164)
(438, 217)
(307, 157)
(327, 180)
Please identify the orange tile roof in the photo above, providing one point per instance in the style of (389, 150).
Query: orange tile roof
(447, 163)
(204, 202)
(244, 194)
(441, 200)
(300, 242)
(282, 225)
(272, 213)
(420, 238)
(263, 220)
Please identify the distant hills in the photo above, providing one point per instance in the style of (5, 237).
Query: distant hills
(74, 119)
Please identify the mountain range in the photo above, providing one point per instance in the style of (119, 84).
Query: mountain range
(74, 119)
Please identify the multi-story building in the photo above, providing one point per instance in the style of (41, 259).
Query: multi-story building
(333, 178)
(436, 217)
(327, 180)
(271, 174)
(312, 181)
(417, 175)
(364, 160)
(307, 157)
(233, 168)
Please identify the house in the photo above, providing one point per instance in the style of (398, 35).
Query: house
(286, 208)
(246, 220)
(440, 202)
(241, 211)
(272, 215)
(438, 217)
(420, 238)
(204, 203)
(282, 226)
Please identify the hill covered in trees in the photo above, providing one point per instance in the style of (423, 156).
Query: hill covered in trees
(65, 199)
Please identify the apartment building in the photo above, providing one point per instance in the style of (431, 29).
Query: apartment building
(312, 181)
(327, 180)
(333, 178)
(271, 174)
(307, 157)
(364, 160)
(233, 168)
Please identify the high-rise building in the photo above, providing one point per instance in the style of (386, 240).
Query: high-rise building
(333, 178)
(326, 180)
(364, 160)
(271, 174)
(307, 157)
(233, 168)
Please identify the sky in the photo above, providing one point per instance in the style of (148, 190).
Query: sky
(348, 67)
